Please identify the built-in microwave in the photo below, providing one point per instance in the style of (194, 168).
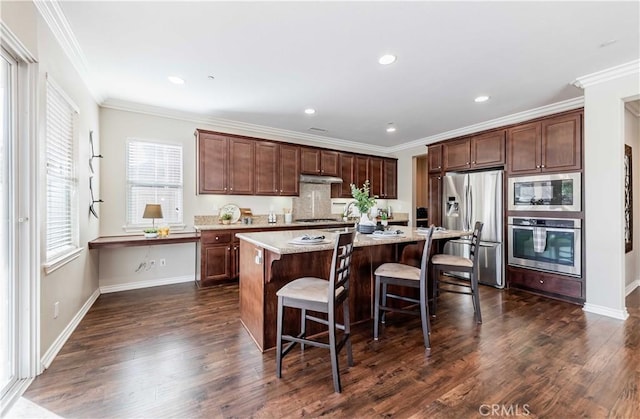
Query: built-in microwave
(549, 192)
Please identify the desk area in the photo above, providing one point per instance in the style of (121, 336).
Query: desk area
(268, 261)
(139, 240)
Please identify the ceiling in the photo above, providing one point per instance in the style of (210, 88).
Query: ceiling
(271, 60)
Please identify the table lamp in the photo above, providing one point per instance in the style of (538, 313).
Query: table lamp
(152, 211)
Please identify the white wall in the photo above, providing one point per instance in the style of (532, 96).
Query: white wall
(405, 202)
(76, 283)
(632, 259)
(604, 194)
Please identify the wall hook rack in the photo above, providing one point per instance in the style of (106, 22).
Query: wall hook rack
(94, 201)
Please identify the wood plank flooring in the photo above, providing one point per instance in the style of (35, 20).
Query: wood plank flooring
(177, 351)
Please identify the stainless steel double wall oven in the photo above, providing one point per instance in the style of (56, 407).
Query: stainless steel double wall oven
(550, 244)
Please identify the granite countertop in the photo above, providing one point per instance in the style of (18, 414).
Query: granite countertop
(280, 224)
(280, 241)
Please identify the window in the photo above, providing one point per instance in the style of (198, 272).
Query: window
(62, 199)
(154, 176)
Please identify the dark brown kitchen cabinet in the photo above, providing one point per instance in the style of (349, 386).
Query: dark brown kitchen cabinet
(434, 154)
(347, 174)
(551, 145)
(551, 285)
(217, 260)
(267, 179)
(390, 178)
(289, 170)
(241, 166)
(361, 170)
(212, 163)
(315, 161)
(477, 152)
(225, 164)
(435, 199)
(375, 177)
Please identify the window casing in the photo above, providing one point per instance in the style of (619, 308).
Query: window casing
(154, 176)
(61, 180)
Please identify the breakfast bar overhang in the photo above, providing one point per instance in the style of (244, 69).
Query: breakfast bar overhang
(268, 261)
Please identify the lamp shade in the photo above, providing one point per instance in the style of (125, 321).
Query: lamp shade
(152, 211)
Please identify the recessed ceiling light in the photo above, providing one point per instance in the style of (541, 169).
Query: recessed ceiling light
(309, 111)
(481, 99)
(211, 76)
(175, 80)
(387, 59)
(391, 128)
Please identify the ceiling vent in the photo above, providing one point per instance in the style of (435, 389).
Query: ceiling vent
(317, 129)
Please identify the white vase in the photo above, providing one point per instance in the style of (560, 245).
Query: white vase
(364, 220)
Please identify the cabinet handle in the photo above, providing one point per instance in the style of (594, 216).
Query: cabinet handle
(541, 281)
(538, 166)
(474, 162)
(217, 238)
(225, 188)
(229, 248)
(230, 189)
(542, 166)
(467, 163)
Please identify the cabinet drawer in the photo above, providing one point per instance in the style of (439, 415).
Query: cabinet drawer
(215, 237)
(546, 283)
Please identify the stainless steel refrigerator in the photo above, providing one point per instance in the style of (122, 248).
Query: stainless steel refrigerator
(471, 197)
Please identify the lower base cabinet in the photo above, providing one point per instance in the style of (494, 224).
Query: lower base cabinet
(561, 287)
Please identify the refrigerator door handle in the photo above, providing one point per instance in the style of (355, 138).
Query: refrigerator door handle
(470, 220)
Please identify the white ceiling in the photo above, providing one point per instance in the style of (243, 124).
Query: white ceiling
(271, 60)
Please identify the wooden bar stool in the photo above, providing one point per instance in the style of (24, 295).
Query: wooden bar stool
(443, 263)
(320, 295)
(404, 276)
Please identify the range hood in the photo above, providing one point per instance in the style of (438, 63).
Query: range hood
(319, 179)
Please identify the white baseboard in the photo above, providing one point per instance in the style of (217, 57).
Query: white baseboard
(53, 350)
(632, 286)
(134, 285)
(606, 311)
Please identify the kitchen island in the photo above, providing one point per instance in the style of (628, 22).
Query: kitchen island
(268, 261)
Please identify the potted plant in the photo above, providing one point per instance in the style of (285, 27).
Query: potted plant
(150, 233)
(364, 203)
(226, 218)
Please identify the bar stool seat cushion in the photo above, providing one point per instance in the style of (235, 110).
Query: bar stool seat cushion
(307, 288)
(398, 270)
(444, 259)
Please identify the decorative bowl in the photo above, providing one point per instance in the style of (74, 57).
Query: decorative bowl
(366, 229)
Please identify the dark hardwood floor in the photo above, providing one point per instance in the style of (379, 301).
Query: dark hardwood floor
(177, 351)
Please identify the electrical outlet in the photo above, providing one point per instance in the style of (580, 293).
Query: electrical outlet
(163, 262)
(56, 309)
(152, 263)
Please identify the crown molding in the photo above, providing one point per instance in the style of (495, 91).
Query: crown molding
(239, 127)
(633, 107)
(8, 38)
(632, 67)
(515, 118)
(59, 25)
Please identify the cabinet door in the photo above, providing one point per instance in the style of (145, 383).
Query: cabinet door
(216, 261)
(562, 143)
(241, 166)
(523, 148)
(347, 173)
(375, 177)
(434, 154)
(266, 172)
(289, 170)
(309, 161)
(329, 162)
(487, 150)
(212, 163)
(235, 259)
(457, 154)
(435, 200)
(362, 170)
(390, 178)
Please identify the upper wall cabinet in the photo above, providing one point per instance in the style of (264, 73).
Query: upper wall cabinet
(550, 145)
(480, 151)
(267, 176)
(289, 170)
(315, 161)
(434, 154)
(347, 173)
(225, 164)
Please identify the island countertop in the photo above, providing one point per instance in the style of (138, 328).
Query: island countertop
(280, 241)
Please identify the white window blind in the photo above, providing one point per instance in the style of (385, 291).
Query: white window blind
(154, 176)
(62, 204)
